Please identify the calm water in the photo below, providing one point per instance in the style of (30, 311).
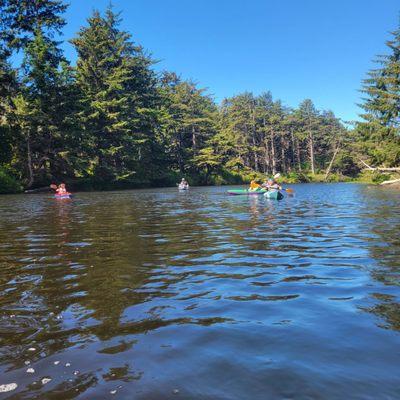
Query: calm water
(199, 295)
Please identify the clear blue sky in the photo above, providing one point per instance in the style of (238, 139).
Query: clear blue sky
(295, 48)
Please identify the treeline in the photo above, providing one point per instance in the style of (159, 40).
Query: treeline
(112, 121)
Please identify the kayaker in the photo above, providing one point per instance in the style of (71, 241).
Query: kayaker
(61, 189)
(271, 183)
(184, 184)
(254, 185)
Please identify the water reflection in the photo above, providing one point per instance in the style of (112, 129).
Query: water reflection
(139, 294)
(383, 213)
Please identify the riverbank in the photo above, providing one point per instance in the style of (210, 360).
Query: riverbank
(9, 184)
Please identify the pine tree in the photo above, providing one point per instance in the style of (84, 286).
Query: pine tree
(117, 95)
(308, 115)
(30, 25)
(379, 135)
(42, 110)
(189, 121)
(20, 19)
(382, 87)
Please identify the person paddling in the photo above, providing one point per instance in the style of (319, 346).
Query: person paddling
(60, 189)
(271, 183)
(254, 186)
(184, 184)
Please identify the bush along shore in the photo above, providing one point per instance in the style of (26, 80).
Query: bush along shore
(9, 185)
(110, 121)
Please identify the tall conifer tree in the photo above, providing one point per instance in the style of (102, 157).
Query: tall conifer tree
(117, 92)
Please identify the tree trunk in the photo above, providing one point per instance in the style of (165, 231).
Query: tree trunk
(283, 156)
(298, 154)
(266, 157)
(293, 148)
(273, 158)
(312, 161)
(254, 140)
(255, 154)
(30, 167)
(391, 182)
(180, 160)
(194, 142)
(328, 171)
(383, 169)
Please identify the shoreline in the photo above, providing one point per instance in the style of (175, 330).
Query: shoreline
(365, 177)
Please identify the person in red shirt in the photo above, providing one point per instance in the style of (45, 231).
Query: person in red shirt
(60, 189)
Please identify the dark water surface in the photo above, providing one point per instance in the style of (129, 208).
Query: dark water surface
(163, 295)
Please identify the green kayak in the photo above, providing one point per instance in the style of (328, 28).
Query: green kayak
(246, 191)
(274, 194)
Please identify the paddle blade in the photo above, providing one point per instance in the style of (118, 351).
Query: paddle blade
(289, 190)
(276, 176)
(52, 186)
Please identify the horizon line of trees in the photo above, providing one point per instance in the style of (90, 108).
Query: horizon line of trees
(112, 120)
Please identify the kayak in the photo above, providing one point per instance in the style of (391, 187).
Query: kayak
(62, 196)
(185, 187)
(236, 192)
(274, 194)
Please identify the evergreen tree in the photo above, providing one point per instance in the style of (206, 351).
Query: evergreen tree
(379, 135)
(382, 87)
(20, 19)
(29, 25)
(308, 116)
(42, 111)
(118, 95)
(189, 121)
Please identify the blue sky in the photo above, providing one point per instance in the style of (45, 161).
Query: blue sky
(295, 48)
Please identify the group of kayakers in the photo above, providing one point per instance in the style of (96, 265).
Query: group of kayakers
(268, 184)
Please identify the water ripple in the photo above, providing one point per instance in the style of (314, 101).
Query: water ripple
(142, 293)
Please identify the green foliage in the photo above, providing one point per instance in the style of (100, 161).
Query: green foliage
(188, 123)
(379, 144)
(112, 122)
(346, 164)
(379, 135)
(41, 113)
(117, 97)
(382, 87)
(295, 177)
(8, 184)
(379, 177)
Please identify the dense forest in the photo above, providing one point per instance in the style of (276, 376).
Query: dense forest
(112, 121)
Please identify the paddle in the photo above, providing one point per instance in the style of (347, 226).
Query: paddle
(289, 190)
(53, 186)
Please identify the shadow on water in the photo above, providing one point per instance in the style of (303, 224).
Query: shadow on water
(147, 294)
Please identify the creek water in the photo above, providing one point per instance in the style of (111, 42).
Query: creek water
(160, 294)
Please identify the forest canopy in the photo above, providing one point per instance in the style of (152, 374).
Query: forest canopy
(112, 121)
